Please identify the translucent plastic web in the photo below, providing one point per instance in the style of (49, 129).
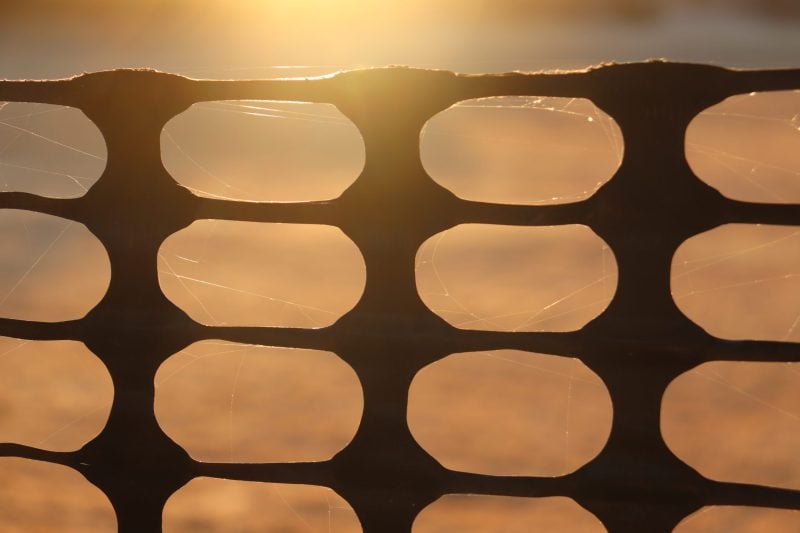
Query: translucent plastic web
(626, 327)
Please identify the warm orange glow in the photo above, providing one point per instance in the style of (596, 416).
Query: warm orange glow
(736, 281)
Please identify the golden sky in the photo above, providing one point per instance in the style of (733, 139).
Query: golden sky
(246, 38)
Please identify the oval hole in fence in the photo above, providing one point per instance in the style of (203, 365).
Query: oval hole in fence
(49, 150)
(734, 519)
(737, 421)
(263, 151)
(254, 274)
(471, 513)
(51, 269)
(748, 147)
(509, 412)
(210, 504)
(36, 496)
(741, 281)
(522, 149)
(514, 278)
(54, 395)
(239, 403)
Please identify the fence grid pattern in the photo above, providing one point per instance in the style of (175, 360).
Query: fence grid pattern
(637, 346)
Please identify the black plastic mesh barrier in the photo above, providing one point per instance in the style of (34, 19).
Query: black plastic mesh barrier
(637, 346)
